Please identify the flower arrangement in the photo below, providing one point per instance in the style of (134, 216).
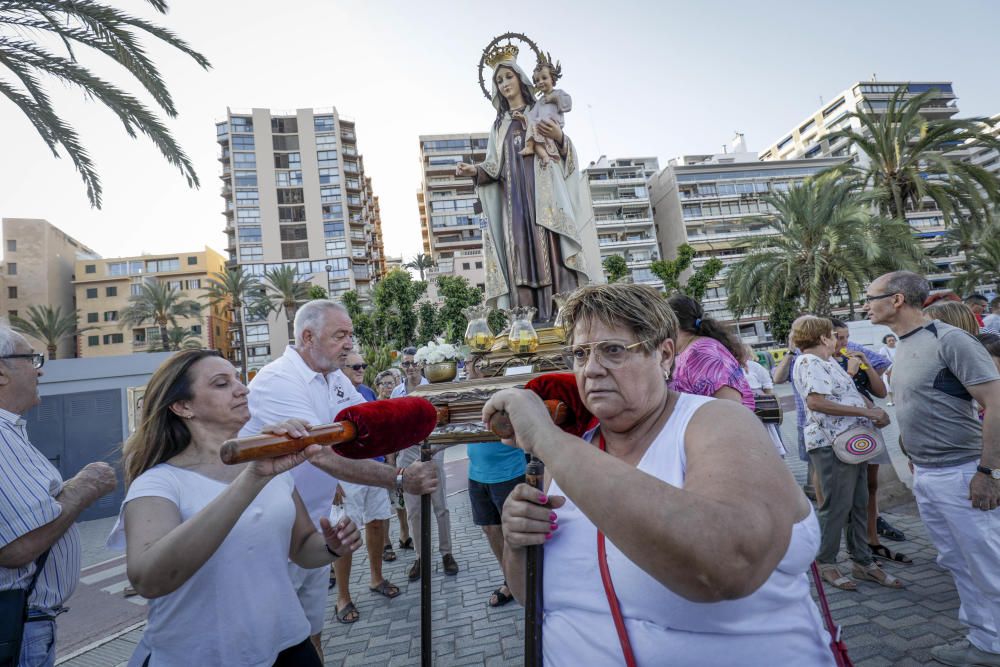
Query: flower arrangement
(436, 352)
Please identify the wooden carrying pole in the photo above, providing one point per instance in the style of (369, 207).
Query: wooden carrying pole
(241, 450)
(425, 568)
(533, 605)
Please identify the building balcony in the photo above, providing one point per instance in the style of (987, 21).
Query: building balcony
(627, 243)
(620, 221)
(458, 244)
(616, 200)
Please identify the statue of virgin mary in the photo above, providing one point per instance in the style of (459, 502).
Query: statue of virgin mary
(532, 243)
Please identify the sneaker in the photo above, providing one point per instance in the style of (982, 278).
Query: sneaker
(450, 566)
(414, 572)
(964, 654)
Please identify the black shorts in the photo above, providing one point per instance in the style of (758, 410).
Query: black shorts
(487, 500)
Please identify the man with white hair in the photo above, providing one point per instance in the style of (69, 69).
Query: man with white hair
(306, 383)
(39, 543)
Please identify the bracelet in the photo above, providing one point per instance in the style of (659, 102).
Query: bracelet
(399, 480)
(332, 552)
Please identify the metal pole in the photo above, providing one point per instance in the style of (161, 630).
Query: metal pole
(425, 567)
(533, 607)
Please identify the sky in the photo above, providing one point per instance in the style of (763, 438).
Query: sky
(651, 78)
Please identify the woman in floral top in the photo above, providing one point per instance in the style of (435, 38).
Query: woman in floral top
(707, 354)
(834, 405)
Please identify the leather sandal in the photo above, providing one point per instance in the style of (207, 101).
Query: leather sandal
(875, 574)
(882, 552)
(831, 574)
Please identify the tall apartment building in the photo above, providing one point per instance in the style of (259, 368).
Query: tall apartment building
(809, 138)
(296, 195)
(451, 229)
(103, 288)
(38, 270)
(712, 203)
(623, 213)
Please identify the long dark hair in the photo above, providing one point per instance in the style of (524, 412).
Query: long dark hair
(692, 319)
(529, 99)
(161, 434)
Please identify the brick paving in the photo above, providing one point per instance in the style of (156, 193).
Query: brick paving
(881, 626)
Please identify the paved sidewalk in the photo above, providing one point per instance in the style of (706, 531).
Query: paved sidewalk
(881, 626)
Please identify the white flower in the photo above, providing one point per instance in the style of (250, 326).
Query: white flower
(436, 352)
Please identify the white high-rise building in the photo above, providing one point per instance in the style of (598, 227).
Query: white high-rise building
(623, 214)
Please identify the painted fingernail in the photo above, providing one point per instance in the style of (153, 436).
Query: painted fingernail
(554, 527)
(548, 536)
(552, 516)
(543, 498)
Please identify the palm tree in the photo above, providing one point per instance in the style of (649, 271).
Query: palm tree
(183, 338)
(907, 160)
(234, 288)
(420, 263)
(982, 265)
(285, 291)
(105, 29)
(826, 241)
(160, 304)
(46, 324)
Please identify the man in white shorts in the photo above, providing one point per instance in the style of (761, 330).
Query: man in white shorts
(367, 506)
(306, 383)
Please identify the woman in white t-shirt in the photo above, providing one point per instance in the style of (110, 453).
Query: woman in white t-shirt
(889, 352)
(834, 405)
(208, 544)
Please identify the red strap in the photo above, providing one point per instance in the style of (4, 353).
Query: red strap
(837, 645)
(609, 590)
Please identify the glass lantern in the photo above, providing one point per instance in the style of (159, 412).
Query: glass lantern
(522, 339)
(478, 335)
(560, 301)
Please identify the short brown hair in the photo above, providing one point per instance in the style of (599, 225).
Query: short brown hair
(955, 313)
(637, 307)
(808, 330)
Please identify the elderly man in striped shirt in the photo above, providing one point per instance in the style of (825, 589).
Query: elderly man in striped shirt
(37, 510)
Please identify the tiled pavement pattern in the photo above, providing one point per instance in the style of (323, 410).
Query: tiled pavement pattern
(881, 626)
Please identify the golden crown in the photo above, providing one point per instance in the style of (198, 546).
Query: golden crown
(500, 53)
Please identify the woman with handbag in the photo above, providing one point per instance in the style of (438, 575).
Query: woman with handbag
(673, 532)
(838, 418)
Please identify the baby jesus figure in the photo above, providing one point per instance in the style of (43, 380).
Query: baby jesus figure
(551, 105)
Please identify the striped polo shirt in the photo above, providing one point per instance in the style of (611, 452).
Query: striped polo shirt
(29, 485)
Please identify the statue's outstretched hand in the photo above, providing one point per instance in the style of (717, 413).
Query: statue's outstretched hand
(465, 169)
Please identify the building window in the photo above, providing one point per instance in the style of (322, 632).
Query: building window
(139, 336)
(293, 232)
(294, 250)
(90, 268)
(157, 265)
(291, 196)
(192, 261)
(11, 245)
(194, 284)
(110, 291)
(111, 339)
(241, 124)
(287, 161)
(91, 292)
(326, 140)
(284, 125)
(329, 176)
(177, 285)
(466, 266)
(246, 179)
(135, 289)
(111, 316)
(479, 265)
(196, 329)
(285, 143)
(93, 341)
(11, 313)
(323, 123)
(243, 143)
(91, 318)
(251, 253)
(11, 268)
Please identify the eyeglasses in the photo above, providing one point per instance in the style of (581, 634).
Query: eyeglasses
(358, 367)
(410, 364)
(869, 298)
(37, 358)
(609, 353)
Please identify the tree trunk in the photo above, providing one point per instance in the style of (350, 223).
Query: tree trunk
(164, 338)
(290, 316)
(52, 352)
(238, 321)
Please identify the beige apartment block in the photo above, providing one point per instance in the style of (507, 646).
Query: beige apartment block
(38, 270)
(104, 287)
(450, 227)
(296, 195)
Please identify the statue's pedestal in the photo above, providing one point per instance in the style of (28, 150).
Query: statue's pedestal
(547, 357)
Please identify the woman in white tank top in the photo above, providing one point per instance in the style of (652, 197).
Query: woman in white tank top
(708, 538)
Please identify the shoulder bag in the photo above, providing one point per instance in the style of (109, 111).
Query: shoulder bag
(14, 614)
(859, 444)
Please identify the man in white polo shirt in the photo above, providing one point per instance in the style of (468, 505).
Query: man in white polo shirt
(306, 383)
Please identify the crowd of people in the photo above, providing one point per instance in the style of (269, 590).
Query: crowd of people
(672, 527)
